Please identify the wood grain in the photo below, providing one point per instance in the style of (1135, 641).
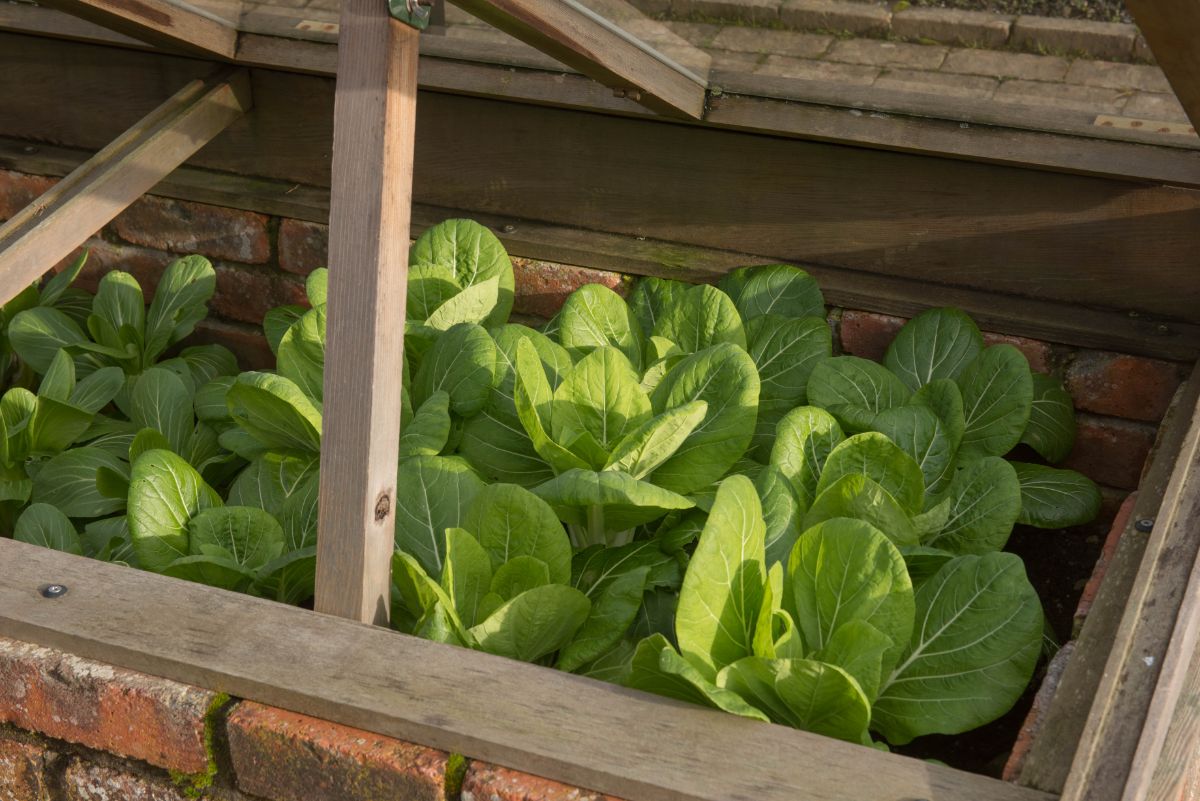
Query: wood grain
(370, 203)
(157, 22)
(1092, 725)
(1172, 29)
(101, 188)
(1177, 775)
(573, 729)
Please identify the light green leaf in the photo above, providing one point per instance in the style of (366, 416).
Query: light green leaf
(612, 612)
(474, 304)
(301, 353)
(803, 694)
(460, 363)
(278, 320)
(650, 298)
(600, 396)
(924, 562)
(510, 521)
(59, 282)
(161, 401)
(782, 512)
(862, 387)
(1051, 427)
(621, 501)
(165, 493)
(207, 362)
(517, 575)
(1055, 498)
(997, 390)
(118, 303)
(657, 668)
(68, 482)
(275, 412)
(535, 623)
(594, 568)
(594, 316)
(429, 286)
(859, 497)
(37, 334)
(59, 381)
(433, 494)
(268, 481)
(209, 402)
(466, 574)
(298, 514)
(249, 537)
(774, 289)
(875, 456)
(96, 391)
(429, 429)
(44, 525)
(985, 500)
(804, 439)
(180, 301)
(920, 434)
(943, 397)
(474, 254)
(858, 648)
(786, 351)
(532, 397)
(938, 343)
(55, 426)
(316, 287)
(973, 650)
(647, 447)
(725, 378)
(700, 317)
(723, 588)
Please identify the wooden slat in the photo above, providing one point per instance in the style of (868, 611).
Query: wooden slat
(38, 238)
(1172, 29)
(1091, 728)
(568, 32)
(1177, 774)
(371, 198)
(159, 23)
(530, 718)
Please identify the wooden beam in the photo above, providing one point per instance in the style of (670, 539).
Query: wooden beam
(40, 236)
(371, 198)
(579, 38)
(1177, 774)
(160, 23)
(1172, 29)
(530, 718)
(1086, 746)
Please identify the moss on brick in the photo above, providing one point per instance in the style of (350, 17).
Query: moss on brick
(456, 771)
(195, 784)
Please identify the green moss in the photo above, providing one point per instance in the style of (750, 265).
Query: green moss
(456, 771)
(194, 784)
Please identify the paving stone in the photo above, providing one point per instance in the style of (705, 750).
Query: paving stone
(952, 26)
(728, 61)
(1006, 65)
(888, 54)
(830, 15)
(1147, 106)
(756, 11)
(1115, 75)
(1060, 95)
(807, 69)
(1056, 35)
(939, 83)
(699, 34)
(781, 43)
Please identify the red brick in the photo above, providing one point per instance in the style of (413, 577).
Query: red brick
(87, 781)
(303, 246)
(24, 769)
(1040, 354)
(1033, 721)
(1119, 524)
(1110, 451)
(18, 190)
(541, 286)
(867, 334)
(487, 782)
(182, 227)
(246, 342)
(247, 293)
(145, 265)
(110, 709)
(286, 756)
(1132, 387)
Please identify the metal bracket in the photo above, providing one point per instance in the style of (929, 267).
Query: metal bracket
(414, 13)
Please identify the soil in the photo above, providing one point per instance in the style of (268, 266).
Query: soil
(1099, 10)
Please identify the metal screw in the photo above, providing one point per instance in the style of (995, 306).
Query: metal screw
(53, 590)
(508, 229)
(1144, 524)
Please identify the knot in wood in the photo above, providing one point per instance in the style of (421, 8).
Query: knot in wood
(383, 505)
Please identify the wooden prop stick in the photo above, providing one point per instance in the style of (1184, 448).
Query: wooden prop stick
(158, 22)
(370, 201)
(1172, 29)
(581, 39)
(62, 219)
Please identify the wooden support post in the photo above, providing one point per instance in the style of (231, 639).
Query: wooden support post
(158, 22)
(370, 203)
(1172, 29)
(62, 219)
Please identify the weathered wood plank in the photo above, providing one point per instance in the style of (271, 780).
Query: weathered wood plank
(579, 38)
(534, 719)
(370, 204)
(1172, 29)
(37, 239)
(1106, 687)
(1177, 774)
(159, 23)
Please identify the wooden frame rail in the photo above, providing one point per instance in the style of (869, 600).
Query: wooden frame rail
(1172, 29)
(56, 223)
(577, 730)
(159, 22)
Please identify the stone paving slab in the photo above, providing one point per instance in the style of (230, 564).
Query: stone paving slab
(781, 43)
(888, 54)
(1114, 75)
(1006, 65)
(810, 70)
(1061, 95)
(952, 26)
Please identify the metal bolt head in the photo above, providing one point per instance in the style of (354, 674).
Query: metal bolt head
(508, 229)
(53, 590)
(1144, 524)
